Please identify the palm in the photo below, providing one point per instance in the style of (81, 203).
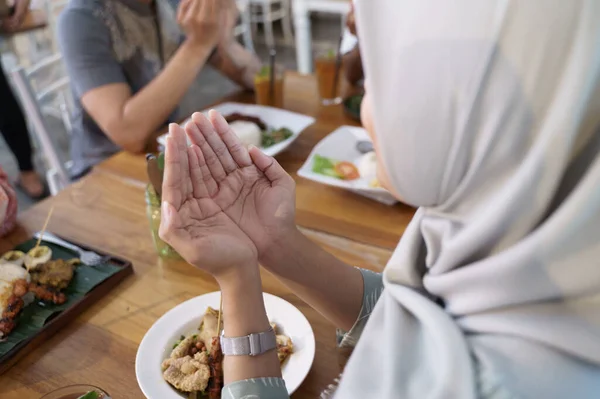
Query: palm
(257, 207)
(226, 205)
(212, 238)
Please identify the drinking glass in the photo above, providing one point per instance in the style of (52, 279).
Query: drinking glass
(163, 249)
(262, 87)
(75, 392)
(325, 69)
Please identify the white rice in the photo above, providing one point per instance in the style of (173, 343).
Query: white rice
(249, 133)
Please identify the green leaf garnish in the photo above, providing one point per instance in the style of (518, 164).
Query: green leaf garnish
(90, 395)
(265, 71)
(325, 166)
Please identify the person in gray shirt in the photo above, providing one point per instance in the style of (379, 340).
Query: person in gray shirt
(132, 62)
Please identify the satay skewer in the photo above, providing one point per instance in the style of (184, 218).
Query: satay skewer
(39, 241)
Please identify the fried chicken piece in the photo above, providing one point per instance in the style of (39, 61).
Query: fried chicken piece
(183, 349)
(21, 288)
(284, 347)
(6, 326)
(187, 374)
(15, 305)
(48, 294)
(208, 327)
(55, 274)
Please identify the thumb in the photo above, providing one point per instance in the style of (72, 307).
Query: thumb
(269, 166)
(169, 222)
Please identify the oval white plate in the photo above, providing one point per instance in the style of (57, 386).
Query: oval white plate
(273, 117)
(184, 320)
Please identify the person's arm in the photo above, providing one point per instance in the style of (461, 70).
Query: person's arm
(236, 63)
(8, 205)
(327, 284)
(13, 22)
(231, 58)
(243, 314)
(131, 119)
(352, 64)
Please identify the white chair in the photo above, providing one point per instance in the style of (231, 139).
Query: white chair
(36, 100)
(262, 12)
(244, 29)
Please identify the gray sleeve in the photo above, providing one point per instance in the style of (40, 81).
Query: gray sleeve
(373, 287)
(263, 388)
(86, 46)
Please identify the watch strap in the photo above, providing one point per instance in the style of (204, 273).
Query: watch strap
(249, 345)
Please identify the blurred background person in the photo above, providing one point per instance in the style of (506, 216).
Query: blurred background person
(8, 205)
(131, 63)
(12, 122)
(352, 62)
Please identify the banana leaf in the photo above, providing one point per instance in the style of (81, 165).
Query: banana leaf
(33, 318)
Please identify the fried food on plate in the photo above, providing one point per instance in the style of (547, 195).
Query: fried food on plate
(50, 278)
(14, 281)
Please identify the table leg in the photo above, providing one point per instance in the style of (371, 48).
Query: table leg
(303, 36)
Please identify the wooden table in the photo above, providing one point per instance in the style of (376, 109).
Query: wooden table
(34, 19)
(322, 208)
(108, 212)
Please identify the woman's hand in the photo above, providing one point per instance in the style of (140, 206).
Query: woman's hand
(233, 202)
(191, 221)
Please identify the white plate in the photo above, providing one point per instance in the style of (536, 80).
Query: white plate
(184, 320)
(274, 118)
(340, 145)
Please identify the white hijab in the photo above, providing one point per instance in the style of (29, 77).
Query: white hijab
(488, 116)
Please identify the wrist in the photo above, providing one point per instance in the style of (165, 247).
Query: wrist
(245, 278)
(281, 248)
(196, 50)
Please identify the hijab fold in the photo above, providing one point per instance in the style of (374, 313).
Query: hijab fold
(487, 116)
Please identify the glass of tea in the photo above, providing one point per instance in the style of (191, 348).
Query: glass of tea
(265, 94)
(329, 83)
(78, 392)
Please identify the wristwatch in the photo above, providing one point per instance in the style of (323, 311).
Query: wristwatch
(249, 345)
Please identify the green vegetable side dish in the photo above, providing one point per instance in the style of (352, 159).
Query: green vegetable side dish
(275, 136)
(325, 166)
(352, 106)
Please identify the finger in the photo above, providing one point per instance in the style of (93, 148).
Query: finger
(172, 175)
(213, 8)
(270, 167)
(180, 139)
(183, 9)
(200, 190)
(209, 181)
(237, 150)
(194, 131)
(194, 9)
(215, 141)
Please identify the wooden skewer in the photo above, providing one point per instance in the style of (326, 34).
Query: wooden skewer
(219, 318)
(44, 228)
